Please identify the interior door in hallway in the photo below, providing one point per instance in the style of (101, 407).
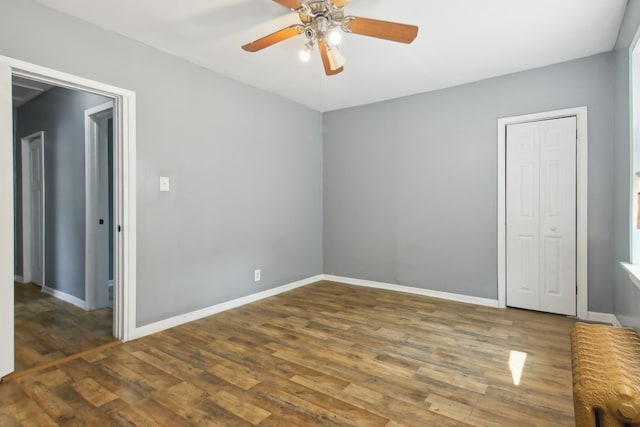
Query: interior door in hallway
(541, 215)
(36, 187)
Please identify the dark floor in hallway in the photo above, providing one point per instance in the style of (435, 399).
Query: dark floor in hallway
(47, 328)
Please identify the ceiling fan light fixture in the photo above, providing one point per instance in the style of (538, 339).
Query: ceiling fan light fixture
(322, 23)
(336, 59)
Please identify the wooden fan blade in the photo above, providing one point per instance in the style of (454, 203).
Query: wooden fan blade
(393, 31)
(322, 46)
(271, 39)
(341, 3)
(290, 4)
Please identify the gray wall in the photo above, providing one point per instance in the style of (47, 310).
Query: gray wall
(60, 114)
(410, 185)
(626, 294)
(245, 166)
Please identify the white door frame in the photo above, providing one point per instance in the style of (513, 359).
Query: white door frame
(582, 302)
(124, 198)
(26, 207)
(6, 223)
(93, 254)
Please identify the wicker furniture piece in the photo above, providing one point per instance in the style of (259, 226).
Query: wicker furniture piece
(606, 375)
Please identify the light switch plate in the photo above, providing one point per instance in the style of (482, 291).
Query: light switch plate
(164, 183)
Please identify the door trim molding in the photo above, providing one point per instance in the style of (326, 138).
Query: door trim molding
(582, 302)
(7, 216)
(26, 208)
(124, 117)
(91, 201)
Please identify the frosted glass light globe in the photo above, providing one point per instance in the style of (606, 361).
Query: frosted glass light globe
(305, 55)
(335, 37)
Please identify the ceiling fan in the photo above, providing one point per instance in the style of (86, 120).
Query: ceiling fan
(322, 22)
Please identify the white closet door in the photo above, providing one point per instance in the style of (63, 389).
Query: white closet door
(541, 216)
(558, 216)
(523, 188)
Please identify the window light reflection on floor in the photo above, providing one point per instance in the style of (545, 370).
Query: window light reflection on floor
(516, 364)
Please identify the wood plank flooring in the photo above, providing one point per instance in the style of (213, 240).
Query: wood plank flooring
(324, 354)
(48, 329)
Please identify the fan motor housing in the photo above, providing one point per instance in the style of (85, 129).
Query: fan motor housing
(322, 8)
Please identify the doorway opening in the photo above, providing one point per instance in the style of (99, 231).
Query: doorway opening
(62, 185)
(122, 124)
(581, 277)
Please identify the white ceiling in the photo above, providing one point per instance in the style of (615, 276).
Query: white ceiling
(24, 90)
(459, 41)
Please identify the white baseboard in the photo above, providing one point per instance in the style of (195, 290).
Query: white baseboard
(18, 279)
(616, 321)
(609, 318)
(411, 290)
(65, 297)
(171, 322)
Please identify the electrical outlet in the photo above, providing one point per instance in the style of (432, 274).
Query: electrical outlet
(256, 275)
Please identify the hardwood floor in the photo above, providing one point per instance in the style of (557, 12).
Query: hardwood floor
(47, 328)
(323, 354)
